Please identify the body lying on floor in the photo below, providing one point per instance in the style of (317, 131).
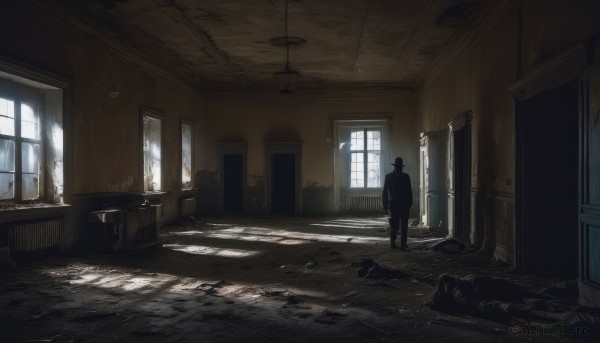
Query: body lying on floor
(503, 301)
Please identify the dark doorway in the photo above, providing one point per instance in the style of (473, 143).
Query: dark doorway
(283, 184)
(233, 183)
(462, 182)
(548, 241)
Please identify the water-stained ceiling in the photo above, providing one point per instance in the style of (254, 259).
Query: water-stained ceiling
(232, 45)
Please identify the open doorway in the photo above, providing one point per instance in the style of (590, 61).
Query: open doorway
(459, 197)
(283, 184)
(233, 183)
(283, 160)
(547, 192)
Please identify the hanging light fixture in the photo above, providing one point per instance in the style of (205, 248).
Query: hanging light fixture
(288, 79)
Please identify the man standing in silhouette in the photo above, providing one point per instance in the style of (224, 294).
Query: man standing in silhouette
(397, 201)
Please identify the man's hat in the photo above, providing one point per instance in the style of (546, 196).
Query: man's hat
(398, 162)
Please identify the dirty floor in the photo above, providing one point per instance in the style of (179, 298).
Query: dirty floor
(251, 280)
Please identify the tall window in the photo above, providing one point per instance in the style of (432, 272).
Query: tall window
(365, 157)
(152, 150)
(186, 156)
(20, 147)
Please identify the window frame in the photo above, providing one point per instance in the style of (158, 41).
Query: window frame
(21, 94)
(342, 121)
(344, 179)
(154, 114)
(191, 124)
(365, 152)
(57, 125)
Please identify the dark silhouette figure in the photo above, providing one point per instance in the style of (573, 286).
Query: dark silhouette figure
(397, 201)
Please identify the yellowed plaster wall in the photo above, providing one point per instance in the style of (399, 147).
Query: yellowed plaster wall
(478, 82)
(296, 116)
(108, 129)
(105, 135)
(528, 32)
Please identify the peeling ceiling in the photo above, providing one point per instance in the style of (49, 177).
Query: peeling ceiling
(232, 45)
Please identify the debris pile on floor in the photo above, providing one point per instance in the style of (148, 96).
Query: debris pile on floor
(449, 246)
(237, 280)
(503, 301)
(369, 269)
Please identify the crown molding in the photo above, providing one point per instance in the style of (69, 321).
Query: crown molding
(119, 46)
(342, 94)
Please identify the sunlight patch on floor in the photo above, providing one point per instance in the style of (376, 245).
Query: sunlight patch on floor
(87, 279)
(354, 223)
(257, 238)
(166, 289)
(204, 250)
(345, 225)
(237, 232)
(426, 240)
(137, 283)
(124, 279)
(114, 279)
(186, 233)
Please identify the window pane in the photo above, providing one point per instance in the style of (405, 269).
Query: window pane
(30, 127)
(7, 155)
(357, 140)
(30, 158)
(7, 189)
(186, 156)
(7, 115)
(7, 108)
(373, 140)
(357, 175)
(374, 170)
(30, 186)
(152, 154)
(30, 161)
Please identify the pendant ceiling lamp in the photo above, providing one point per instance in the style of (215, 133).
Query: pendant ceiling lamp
(287, 80)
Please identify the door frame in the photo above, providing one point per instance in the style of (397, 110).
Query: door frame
(292, 147)
(589, 212)
(462, 121)
(233, 148)
(564, 67)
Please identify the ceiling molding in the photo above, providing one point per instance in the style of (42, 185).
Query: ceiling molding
(416, 36)
(462, 40)
(316, 95)
(116, 44)
(361, 116)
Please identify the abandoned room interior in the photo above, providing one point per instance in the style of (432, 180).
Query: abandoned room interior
(212, 171)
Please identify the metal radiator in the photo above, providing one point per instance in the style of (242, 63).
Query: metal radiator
(363, 203)
(36, 235)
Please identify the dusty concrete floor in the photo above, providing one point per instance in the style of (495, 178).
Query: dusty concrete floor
(249, 280)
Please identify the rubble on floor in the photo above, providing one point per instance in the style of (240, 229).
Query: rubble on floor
(503, 301)
(256, 280)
